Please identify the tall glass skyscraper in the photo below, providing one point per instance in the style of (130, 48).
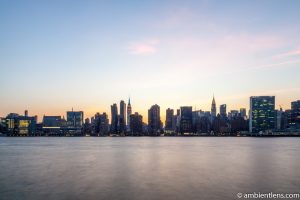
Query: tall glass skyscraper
(122, 117)
(169, 119)
(262, 113)
(223, 112)
(114, 118)
(154, 122)
(186, 119)
(295, 114)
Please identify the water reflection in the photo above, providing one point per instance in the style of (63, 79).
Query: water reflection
(147, 168)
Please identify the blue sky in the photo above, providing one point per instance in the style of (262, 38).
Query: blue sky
(55, 55)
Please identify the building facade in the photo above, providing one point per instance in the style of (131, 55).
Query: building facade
(122, 119)
(262, 113)
(186, 119)
(223, 111)
(295, 114)
(114, 118)
(169, 120)
(101, 124)
(136, 124)
(75, 119)
(154, 122)
(129, 112)
(213, 109)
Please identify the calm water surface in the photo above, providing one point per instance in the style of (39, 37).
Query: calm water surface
(146, 167)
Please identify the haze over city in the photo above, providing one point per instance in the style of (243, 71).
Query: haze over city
(88, 55)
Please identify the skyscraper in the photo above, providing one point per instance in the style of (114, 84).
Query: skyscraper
(186, 119)
(75, 119)
(295, 114)
(154, 122)
(243, 112)
(169, 119)
(233, 114)
(136, 125)
(262, 113)
(279, 119)
(101, 126)
(213, 108)
(114, 118)
(223, 111)
(129, 111)
(122, 122)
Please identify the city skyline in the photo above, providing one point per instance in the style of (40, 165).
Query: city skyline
(120, 106)
(263, 119)
(149, 99)
(57, 55)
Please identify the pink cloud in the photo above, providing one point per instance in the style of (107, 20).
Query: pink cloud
(289, 53)
(143, 47)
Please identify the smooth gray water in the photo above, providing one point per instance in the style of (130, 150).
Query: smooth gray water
(147, 167)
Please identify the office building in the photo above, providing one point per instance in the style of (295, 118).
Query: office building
(101, 124)
(295, 114)
(52, 121)
(129, 112)
(213, 109)
(114, 118)
(154, 122)
(20, 125)
(262, 113)
(169, 119)
(223, 111)
(75, 119)
(243, 112)
(122, 118)
(136, 124)
(186, 119)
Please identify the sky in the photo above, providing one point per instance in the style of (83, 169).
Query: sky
(61, 54)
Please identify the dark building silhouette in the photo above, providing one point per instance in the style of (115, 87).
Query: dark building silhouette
(280, 123)
(52, 126)
(114, 118)
(233, 114)
(243, 112)
(186, 119)
(197, 114)
(154, 122)
(169, 120)
(262, 113)
(217, 125)
(204, 124)
(213, 109)
(295, 114)
(176, 121)
(122, 119)
(223, 111)
(238, 124)
(101, 124)
(87, 127)
(136, 124)
(52, 121)
(75, 119)
(129, 112)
